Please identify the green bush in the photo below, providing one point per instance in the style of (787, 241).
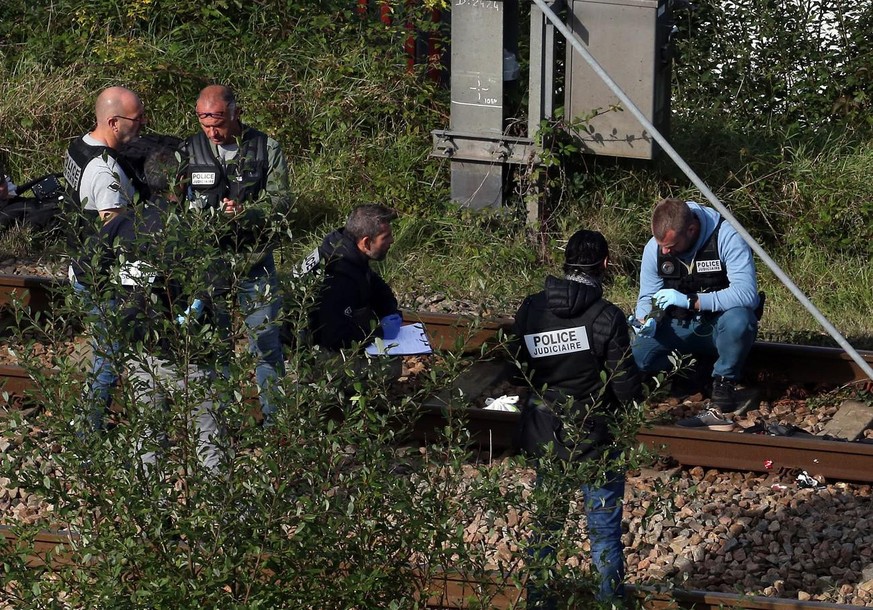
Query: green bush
(768, 64)
(335, 506)
(329, 84)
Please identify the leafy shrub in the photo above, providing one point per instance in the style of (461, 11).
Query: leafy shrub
(771, 64)
(335, 506)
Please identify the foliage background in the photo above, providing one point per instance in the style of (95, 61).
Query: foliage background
(771, 107)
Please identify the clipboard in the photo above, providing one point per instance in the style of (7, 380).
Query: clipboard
(410, 341)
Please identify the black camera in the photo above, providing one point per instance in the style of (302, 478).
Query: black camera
(48, 188)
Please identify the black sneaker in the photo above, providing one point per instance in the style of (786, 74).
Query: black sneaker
(730, 397)
(696, 379)
(711, 419)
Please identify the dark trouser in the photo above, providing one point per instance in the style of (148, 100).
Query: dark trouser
(727, 336)
(103, 349)
(260, 304)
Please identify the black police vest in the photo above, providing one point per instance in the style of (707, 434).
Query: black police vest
(707, 274)
(78, 156)
(81, 225)
(243, 179)
(546, 334)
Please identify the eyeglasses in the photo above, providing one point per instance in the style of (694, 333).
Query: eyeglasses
(210, 115)
(136, 119)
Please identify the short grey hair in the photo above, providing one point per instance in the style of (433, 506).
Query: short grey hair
(369, 220)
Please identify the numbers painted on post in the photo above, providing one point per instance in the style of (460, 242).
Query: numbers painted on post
(485, 4)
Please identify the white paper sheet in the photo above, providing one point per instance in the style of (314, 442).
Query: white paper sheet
(411, 340)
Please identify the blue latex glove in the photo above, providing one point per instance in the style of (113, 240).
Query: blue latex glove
(667, 296)
(640, 329)
(648, 329)
(391, 325)
(194, 310)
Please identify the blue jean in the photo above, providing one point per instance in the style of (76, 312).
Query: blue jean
(603, 512)
(103, 349)
(261, 311)
(727, 336)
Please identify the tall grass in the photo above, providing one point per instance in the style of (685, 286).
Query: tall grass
(355, 126)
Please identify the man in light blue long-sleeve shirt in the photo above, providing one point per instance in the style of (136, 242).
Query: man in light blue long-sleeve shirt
(700, 272)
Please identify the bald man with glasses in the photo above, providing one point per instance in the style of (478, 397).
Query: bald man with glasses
(99, 185)
(98, 180)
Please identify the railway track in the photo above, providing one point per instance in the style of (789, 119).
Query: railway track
(30, 291)
(455, 590)
(777, 365)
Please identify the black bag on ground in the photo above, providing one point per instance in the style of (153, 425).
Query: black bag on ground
(44, 208)
(38, 211)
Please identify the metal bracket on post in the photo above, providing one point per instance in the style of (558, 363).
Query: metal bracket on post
(482, 148)
(478, 163)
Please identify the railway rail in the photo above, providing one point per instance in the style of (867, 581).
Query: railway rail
(32, 291)
(453, 591)
(777, 365)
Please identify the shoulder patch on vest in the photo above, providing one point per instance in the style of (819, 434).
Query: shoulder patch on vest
(72, 172)
(308, 264)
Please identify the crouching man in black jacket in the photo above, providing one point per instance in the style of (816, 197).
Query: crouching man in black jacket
(355, 304)
(575, 348)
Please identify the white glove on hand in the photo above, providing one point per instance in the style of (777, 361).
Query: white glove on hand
(666, 297)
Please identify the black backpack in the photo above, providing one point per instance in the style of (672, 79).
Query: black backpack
(135, 153)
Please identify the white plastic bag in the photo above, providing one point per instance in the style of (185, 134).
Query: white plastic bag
(504, 403)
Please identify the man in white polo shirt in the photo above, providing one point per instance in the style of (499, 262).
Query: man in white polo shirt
(97, 181)
(100, 184)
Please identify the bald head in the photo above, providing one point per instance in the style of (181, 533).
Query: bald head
(120, 115)
(218, 114)
(116, 101)
(217, 94)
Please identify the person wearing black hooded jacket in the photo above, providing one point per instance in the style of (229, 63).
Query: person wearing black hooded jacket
(574, 347)
(355, 304)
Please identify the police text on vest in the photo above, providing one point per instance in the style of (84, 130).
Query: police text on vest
(711, 266)
(553, 342)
